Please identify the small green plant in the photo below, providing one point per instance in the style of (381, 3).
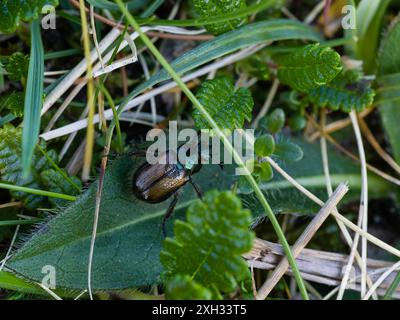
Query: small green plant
(204, 255)
(45, 173)
(347, 92)
(208, 9)
(13, 12)
(309, 67)
(228, 107)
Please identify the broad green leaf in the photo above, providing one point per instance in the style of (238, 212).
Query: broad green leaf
(347, 92)
(206, 9)
(209, 245)
(388, 89)
(33, 98)
(309, 67)
(388, 80)
(369, 17)
(228, 107)
(12, 12)
(185, 288)
(129, 236)
(252, 34)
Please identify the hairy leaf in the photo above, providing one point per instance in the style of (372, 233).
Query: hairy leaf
(228, 107)
(12, 12)
(207, 9)
(208, 246)
(348, 91)
(309, 67)
(389, 77)
(129, 236)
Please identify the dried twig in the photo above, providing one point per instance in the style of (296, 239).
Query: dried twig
(303, 240)
(375, 144)
(342, 227)
(335, 213)
(338, 125)
(351, 155)
(318, 266)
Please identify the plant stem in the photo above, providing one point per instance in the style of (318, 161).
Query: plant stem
(226, 143)
(90, 95)
(37, 191)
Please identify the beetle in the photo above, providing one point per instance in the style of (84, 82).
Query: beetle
(155, 183)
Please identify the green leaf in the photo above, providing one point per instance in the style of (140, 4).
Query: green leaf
(33, 98)
(55, 181)
(228, 107)
(347, 92)
(252, 34)
(255, 66)
(388, 93)
(310, 67)
(264, 171)
(264, 145)
(213, 8)
(9, 281)
(185, 288)
(369, 17)
(11, 168)
(274, 121)
(208, 246)
(14, 102)
(12, 12)
(297, 122)
(129, 236)
(16, 66)
(287, 151)
(110, 5)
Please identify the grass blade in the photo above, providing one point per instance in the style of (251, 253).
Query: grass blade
(33, 98)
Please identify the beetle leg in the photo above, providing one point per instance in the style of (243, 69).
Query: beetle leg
(196, 188)
(169, 212)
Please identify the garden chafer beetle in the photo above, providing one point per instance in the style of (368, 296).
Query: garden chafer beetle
(154, 183)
